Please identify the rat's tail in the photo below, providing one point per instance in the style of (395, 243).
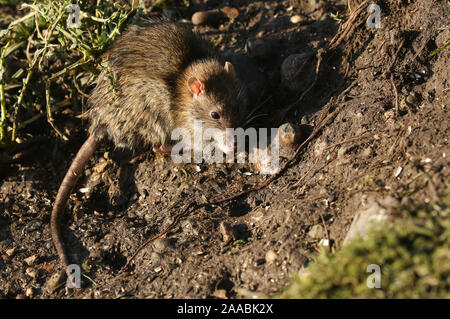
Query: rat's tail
(67, 185)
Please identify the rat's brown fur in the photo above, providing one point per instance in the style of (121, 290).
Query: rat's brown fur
(143, 94)
(150, 66)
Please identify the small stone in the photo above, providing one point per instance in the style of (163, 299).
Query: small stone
(11, 251)
(30, 260)
(296, 19)
(292, 70)
(200, 18)
(157, 269)
(55, 281)
(29, 292)
(290, 135)
(220, 293)
(312, 5)
(206, 18)
(316, 232)
(331, 198)
(227, 231)
(264, 164)
(412, 99)
(324, 242)
(21, 296)
(231, 13)
(161, 245)
(155, 259)
(398, 171)
(100, 167)
(304, 120)
(6, 258)
(271, 256)
(367, 152)
(375, 215)
(389, 114)
(31, 272)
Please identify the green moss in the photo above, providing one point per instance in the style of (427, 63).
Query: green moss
(413, 254)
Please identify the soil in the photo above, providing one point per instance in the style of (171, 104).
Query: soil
(376, 145)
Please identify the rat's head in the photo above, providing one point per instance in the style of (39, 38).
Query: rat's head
(216, 96)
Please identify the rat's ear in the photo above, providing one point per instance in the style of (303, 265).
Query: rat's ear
(196, 87)
(229, 68)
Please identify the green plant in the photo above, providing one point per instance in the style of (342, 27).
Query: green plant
(444, 45)
(413, 254)
(46, 64)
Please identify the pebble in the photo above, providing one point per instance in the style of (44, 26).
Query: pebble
(230, 12)
(290, 135)
(389, 114)
(227, 231)
(398, 171)
(6, 258)
(263, 163)
(374, 215)
(161, 245)
(10, 252)
(220, 293)
(412, 99)
(31, 272)
(55, 281)
(296, 19)
(155, 259)
(291, 70)
(304, 120)
(29, 292)
(324, 242)
(30, 260)
(316, 232)
(312, 5)
(331, 198)
(271, 256)
(367, 152)
(157, 269)
(210, 17)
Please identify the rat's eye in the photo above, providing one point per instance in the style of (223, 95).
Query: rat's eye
(215, 115)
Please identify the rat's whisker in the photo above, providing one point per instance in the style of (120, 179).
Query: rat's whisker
(255, 110)
(252, 119)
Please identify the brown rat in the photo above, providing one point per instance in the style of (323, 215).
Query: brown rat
(159, 76)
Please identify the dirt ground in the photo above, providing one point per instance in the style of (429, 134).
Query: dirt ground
(389, 137)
